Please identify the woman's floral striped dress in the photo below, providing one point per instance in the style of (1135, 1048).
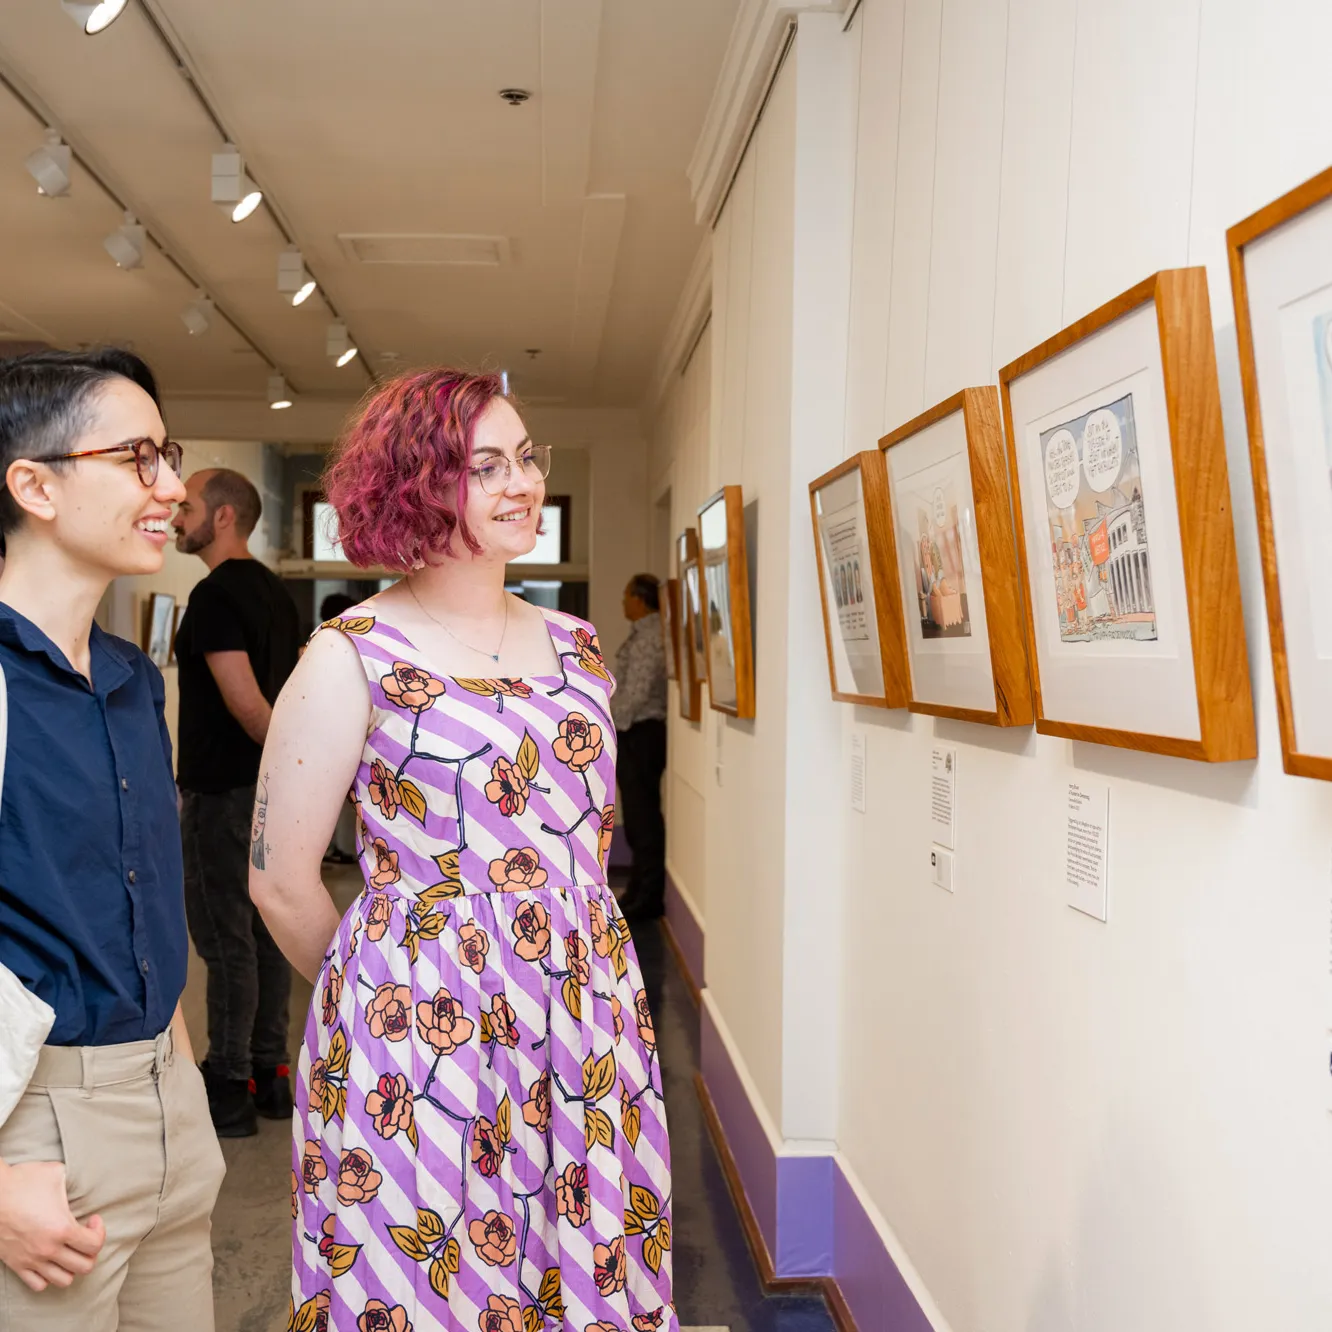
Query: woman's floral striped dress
(480, 1141)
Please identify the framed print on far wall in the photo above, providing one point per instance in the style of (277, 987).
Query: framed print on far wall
(726, 621)
(1281, 278)
(862, 621)
(955, 567)
(693, 650)
(670, 625)
(158, 628)
(1125, 536)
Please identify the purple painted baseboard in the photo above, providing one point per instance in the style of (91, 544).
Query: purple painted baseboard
(688, 933)
(811, 1220)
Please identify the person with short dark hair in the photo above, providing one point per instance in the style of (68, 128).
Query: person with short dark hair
(238, 641)
(108, 1166)
(639, 707)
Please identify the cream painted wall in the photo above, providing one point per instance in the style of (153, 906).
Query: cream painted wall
(1070, 1124)
(180, 573)
(678, 468)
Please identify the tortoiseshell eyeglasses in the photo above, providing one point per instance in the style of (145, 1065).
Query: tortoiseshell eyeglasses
(147, 453)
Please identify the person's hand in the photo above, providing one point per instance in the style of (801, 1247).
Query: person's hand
(41, 1240)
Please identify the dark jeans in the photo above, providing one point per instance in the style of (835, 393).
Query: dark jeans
(249, 981)
(642, 761)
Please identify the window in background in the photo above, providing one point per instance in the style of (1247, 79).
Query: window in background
(552, 546)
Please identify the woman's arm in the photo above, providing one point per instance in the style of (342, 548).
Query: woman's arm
(314, 747)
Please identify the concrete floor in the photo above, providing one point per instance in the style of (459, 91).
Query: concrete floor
(716, 1286)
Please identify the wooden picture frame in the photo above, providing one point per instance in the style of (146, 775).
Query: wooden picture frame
(872, 639)
(175, 632)
(727, 626)
(670, 625)
(946, 483)
(693, 649)
(1288, 239)
(159, 612)
(1152, 580)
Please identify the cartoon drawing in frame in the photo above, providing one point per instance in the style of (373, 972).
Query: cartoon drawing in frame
(1098, 527)
(931, 508)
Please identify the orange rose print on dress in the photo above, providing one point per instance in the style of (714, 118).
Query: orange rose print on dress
(386, 872)
(441, 1024)
(575, 957)
(512, 688)
(331, 996)
(607, 835)
(536, 1109)
(385, 794)
(579, 743)
(617, 1014)
(295, 1195)
(378, 1317)
(358, 1180)
(507, 788)
(389, 1013)
(390, 1105)
(473, 945)
(501, 1314)
(531, 930)
(314, 1169)
(602, 939)
(411, 688)
(378, 917)
(646, 1032)
(609, 1266)
(649, 1322)
(588, 648)
(503, 1022)
(601, 1327)
(573, 1196)
(494, 1239)
(487, 1149)
(519, 870)
(318, 1081)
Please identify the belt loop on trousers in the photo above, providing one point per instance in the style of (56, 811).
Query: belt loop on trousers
(88, 1058)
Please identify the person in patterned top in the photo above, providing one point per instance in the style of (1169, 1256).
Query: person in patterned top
(640, 727)
(480, 1138)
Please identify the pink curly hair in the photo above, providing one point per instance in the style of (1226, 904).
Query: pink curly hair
(398, 476)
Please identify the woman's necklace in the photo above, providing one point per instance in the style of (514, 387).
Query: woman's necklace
(494, 656)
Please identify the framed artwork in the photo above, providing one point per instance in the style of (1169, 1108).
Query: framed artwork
(955, 571)
(670, 620)
(693, 650)
(175, 630)
(1281, 278)
(727, 632)
(862, 618)
(1118, 465)
(159, 627)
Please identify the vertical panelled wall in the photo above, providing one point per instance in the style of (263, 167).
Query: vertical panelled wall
(679, 461)
(1066, 1123)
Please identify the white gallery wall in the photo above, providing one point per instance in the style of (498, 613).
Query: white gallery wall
(1062, 1123)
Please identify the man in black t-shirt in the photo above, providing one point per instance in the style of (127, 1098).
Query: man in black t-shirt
(238, 641)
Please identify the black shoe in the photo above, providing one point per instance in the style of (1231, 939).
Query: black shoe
(271, 1088)
(229, 1105)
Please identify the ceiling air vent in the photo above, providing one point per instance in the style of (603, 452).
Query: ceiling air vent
(482, 251)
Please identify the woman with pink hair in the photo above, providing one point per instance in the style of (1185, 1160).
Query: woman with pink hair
(480, 1139)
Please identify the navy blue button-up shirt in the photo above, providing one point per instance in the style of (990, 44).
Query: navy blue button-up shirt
(92, 914)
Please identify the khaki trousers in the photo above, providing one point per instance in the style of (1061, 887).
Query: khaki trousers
(131, 1124)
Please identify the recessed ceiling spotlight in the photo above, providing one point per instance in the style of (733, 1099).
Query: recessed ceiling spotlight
(197, 316)
(125, 245)
(338, 345)
(514, 96)
(233, 190)
(292, 279)
(49, 166)
(279, 395)
(94, 18)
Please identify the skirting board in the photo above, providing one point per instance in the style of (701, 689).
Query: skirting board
(803, 1209)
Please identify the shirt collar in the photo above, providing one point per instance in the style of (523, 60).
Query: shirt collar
(110, 665)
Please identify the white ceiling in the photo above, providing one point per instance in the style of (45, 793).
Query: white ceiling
(367, 117)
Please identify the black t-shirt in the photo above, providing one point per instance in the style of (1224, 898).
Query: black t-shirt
(240, 607)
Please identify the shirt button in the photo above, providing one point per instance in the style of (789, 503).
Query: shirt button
(124, 783)
(131, 876)
(144, 966)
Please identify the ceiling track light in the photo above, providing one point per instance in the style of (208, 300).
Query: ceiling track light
(49, 166)
(94, 17)
(126, 245)
(233, 190)
(279, 395)
(292, 279)
(339, 346)
(197, 316)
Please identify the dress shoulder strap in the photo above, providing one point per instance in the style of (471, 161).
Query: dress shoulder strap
(378, 644)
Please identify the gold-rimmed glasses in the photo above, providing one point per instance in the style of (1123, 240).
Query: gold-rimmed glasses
(493, 474)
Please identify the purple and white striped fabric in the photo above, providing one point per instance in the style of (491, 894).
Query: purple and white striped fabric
(480, 1141)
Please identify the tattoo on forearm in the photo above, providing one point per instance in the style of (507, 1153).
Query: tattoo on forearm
(258, 851)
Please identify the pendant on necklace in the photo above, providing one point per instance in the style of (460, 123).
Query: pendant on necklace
(494, 656)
